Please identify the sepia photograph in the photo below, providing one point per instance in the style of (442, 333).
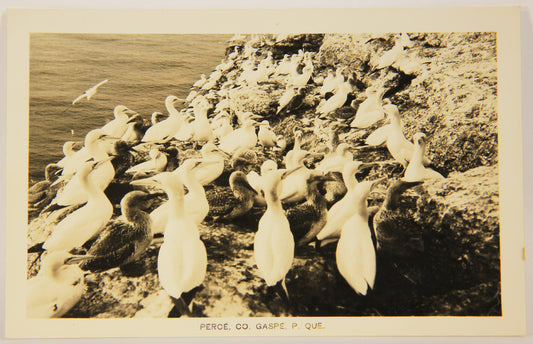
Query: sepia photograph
(264, 175)
(325, 174)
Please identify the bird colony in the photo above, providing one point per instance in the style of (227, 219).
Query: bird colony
(141, 186)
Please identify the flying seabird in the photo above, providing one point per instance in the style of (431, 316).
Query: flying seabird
(90, 92)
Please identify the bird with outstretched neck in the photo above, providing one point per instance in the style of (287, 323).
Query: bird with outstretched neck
(355, 254)
(273, 241)
(182, 258)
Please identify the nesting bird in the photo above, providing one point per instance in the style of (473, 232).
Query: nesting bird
(267, 138)
(117, 127)
(156, 164)
(166, 129)
(385, 219)
(392, 55)
(308, 218)
(233, 204)
(371, 110)
(337, 100)
(416, 171)
(392, 134)
(56, 289)
(243, 137)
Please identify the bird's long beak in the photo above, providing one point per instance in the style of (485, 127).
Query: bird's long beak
(291, 171)
(108, 138)
(77, 259)
(103, 161)
(378, 181)
(324, 178)
(58, 180)
(134, 118)
(146, 182)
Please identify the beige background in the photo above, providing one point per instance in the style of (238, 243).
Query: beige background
(504, 21)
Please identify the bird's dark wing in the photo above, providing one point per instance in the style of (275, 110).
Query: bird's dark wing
(301, 218)
(113, 237)
(111, 259)
(221, 201)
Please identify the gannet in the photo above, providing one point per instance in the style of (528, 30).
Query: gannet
(294, 186)
(90, 92)
(308, 218)
(288, 159)
(221, 125)
(101, 176)
(328, 85)
(156, 164)
(335, 161)
(284, 66)
(199, 83)
(341, 211)
(243, 160)
(86, 222)
(39, 190)
(191, 96)
(186, 131)
(355, 255)
(392, 55)
(273, 241)
(117, 127)
(232, 203)
(156, 117)
(416, 171)
(267, 138)
(385, 220)
(133, 133)
(207, 172)
(256, 181)
(124, 239)
(371, 110)
(335, 83)
(233, 55)
(399, 147)
(182, 258)
(201, 128)
(300, 80)
(196, 205)
(291, 99)
(243, 137)
(56, 289)
(68, 152)
(166, 129)
(337, 100)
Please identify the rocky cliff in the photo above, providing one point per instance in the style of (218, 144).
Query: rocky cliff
(440, 256)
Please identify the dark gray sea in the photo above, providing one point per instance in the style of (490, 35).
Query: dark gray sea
(142, 70)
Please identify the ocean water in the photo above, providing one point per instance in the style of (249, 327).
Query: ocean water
(142, 69)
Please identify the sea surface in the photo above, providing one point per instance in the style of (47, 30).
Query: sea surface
(142, 69)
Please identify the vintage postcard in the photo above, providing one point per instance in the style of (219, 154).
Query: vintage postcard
(302, 172)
